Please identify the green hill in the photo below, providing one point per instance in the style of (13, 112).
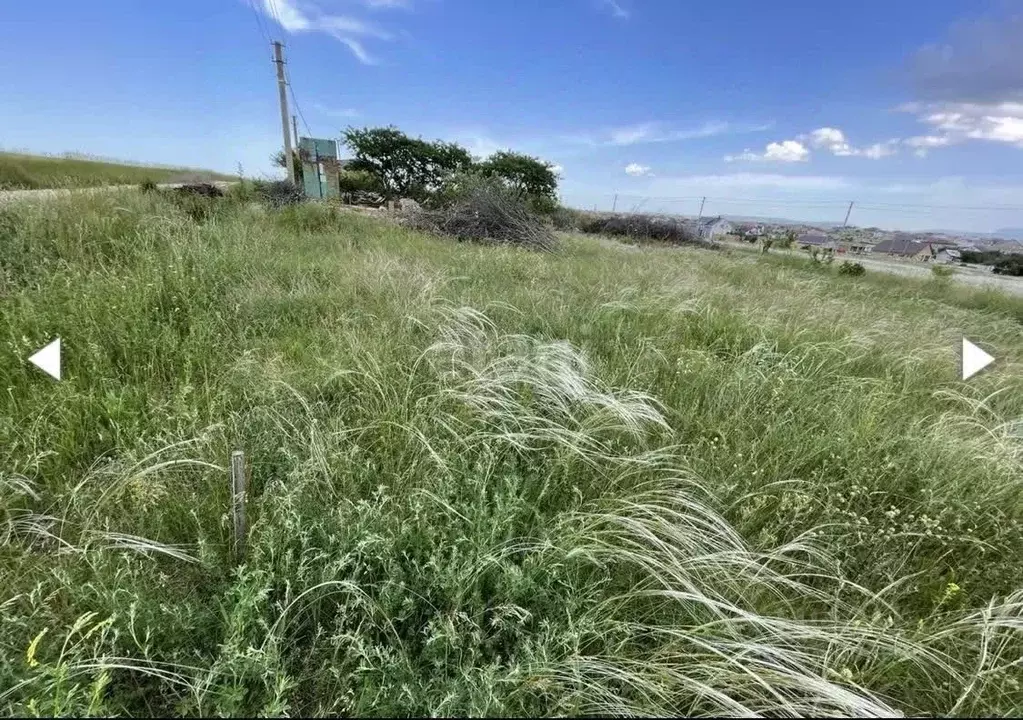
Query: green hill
(19, 171)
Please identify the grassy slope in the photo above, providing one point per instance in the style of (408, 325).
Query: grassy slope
(486, 481)
(30, 172)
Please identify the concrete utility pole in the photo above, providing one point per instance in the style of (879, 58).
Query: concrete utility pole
(614, 204)
(848, 213)
(700, 216)
(283, 90)
(294, 126)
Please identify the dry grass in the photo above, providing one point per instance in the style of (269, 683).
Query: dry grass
(493, 482)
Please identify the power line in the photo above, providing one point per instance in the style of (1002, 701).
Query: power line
(294, 100)
(272, 6)
(259, 21)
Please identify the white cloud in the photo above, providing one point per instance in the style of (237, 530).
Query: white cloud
(616, 9)
(298, 16)
(953, 123)
(828, 139)
(831, 139)
(557, 169)
(637, 170)
(786, 151)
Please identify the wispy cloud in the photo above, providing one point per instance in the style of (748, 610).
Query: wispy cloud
(298, 16)
(656, 132)
(335, 112)
(952, 123)
(616, 9)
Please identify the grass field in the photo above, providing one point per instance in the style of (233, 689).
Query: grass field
(486, 481)
(19, 171)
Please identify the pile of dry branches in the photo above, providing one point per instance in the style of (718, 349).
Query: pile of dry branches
(490, 216)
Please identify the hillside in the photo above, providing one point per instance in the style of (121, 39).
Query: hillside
(20, 171)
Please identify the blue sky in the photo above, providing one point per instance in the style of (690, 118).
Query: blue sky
(912, 109)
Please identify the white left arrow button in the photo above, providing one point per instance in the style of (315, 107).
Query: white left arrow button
(48, 359)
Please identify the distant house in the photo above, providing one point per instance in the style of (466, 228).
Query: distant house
(815, 239)
(709, 228)
(948, 255)
(902, 245)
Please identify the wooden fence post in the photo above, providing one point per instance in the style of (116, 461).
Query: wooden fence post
(238, 499)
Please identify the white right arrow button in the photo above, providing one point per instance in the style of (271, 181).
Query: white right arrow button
(974, 359)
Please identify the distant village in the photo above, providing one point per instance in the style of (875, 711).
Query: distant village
(922, 247)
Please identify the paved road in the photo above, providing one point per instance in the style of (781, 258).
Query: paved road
(7, 196)
(964, 274)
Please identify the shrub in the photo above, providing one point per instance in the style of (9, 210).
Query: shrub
(278, 193)
(198, 201)
(851, 268)
(148, 186)
(242, 191)
(199, 190)
(981, 257)
(1009, 265)
(489, 214)
(357, 185)
(567, 219)
(942, 271)
(821, 256)
(643, 227)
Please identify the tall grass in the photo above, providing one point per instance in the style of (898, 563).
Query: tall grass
(486, 481)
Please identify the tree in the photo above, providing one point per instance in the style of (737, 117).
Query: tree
(297, 157)
(530, 177)
(404, 166)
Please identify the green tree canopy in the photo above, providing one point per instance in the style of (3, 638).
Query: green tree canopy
(405, 166)
(527, 175)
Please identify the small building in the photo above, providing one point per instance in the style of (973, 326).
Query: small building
(709, 228)
(815, 240)
(903, 245)
(948, 255)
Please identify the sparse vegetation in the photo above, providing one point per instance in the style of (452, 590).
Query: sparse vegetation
(484, 210)
(942, 271)
(1009, 265)
(20, 171)
(655, 228)
(278, 193)
(490, 482)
